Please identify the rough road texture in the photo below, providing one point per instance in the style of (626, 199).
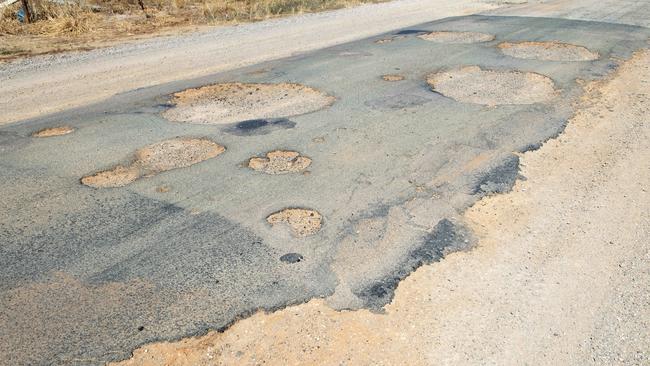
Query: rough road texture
(394, 166)
(559, 274)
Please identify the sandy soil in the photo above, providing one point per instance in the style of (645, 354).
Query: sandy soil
(47, 84)
(559, 275)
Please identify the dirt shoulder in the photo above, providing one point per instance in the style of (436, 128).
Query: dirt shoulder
(559, 274)
(52, 83)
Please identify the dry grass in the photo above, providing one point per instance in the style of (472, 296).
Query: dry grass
(94, 23)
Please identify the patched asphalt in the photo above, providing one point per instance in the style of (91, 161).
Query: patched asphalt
(87, 275)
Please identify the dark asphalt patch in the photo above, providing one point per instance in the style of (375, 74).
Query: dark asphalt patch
(446, 237)
(411, 31)
(259, 126)
(500, 178)
(292, 258)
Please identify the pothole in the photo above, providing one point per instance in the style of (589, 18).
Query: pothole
(234, 102)
(280, 162)
(53, 131)
(302, 222)
(118, 176)
(155, 158)
(472, 84)
(176, 153)
(456, 37)
(548, 51)
(392, 77)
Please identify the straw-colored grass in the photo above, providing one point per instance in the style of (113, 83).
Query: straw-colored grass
(84, 24)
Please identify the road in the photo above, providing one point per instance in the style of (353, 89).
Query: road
(404, 186)
(48, 84)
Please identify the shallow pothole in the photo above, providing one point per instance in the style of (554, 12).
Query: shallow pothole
(472, 84)
(392, 77)
(548, 51)
(280, 162)
(155, 158)
(53, 131)
(118, 176)
(233, 102)
(302, 222)
(456, 37)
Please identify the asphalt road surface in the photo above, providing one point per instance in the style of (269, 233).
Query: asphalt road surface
(89, 274)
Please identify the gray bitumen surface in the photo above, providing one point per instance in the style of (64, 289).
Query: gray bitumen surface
(87, 275)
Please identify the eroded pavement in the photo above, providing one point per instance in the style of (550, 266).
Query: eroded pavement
(198, 238)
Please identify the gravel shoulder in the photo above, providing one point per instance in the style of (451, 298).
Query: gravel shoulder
(48, 84)
(559, 274)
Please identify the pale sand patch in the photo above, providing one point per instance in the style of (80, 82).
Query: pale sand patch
(155, 158)
(236, 102)
(302, 222)
(456, 37)
(559, 276)
(53, 131)
(548, 51)
(471, 84)
(280, 162)
(392, 77)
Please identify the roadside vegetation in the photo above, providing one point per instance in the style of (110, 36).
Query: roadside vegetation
(61, 25)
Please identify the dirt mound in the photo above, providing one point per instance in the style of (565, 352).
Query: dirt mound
(392, 77)
(471, 84)
(303, 222)
(456, 37)
(280, 162)
(234, 102)
(548, 51)
(53, 131)
(155, 158)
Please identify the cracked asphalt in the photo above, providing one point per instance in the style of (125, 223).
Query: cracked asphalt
(87, 275)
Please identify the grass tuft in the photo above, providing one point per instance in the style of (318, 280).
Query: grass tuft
(82, 24)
